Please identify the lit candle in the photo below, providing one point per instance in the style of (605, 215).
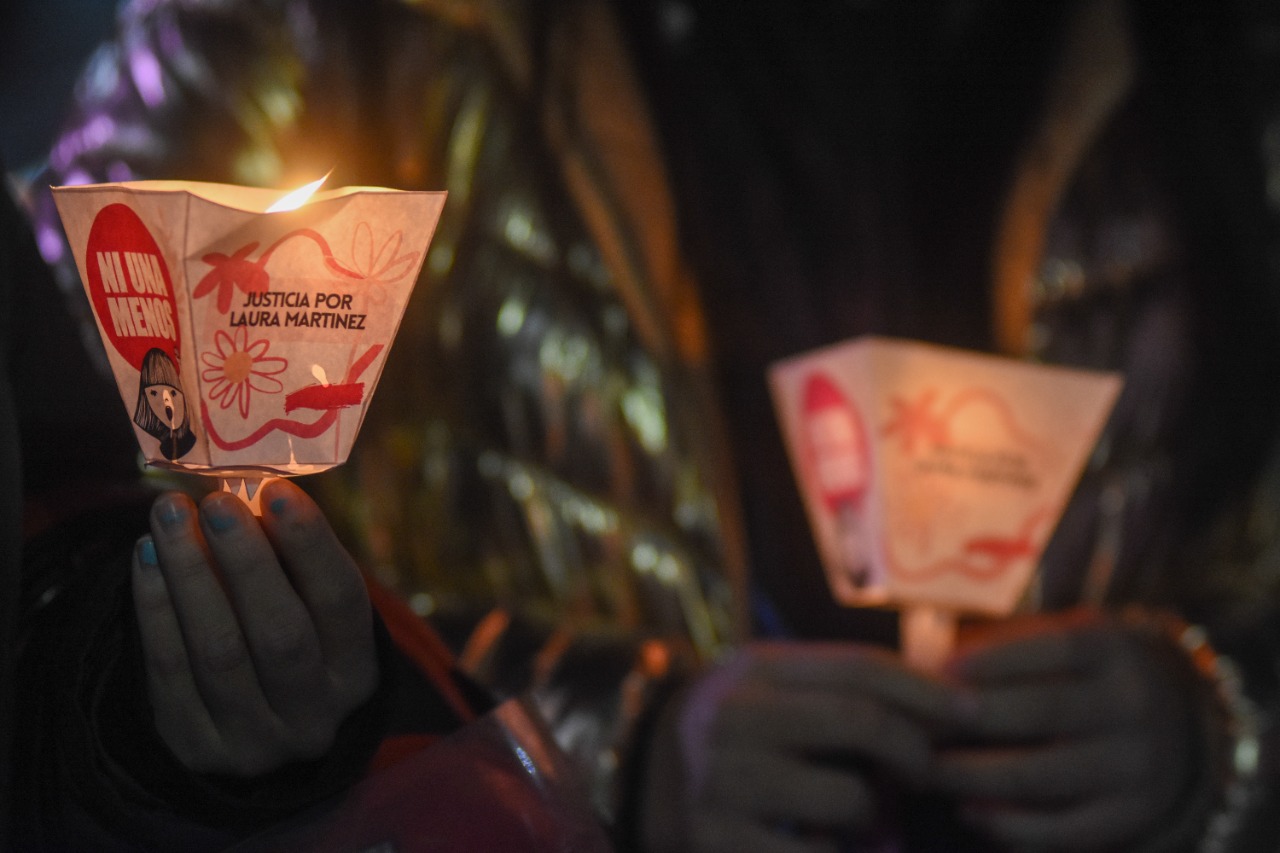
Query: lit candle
(218, 301)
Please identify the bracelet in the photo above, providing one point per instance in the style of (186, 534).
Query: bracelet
(1235, 743)
(1239, 716)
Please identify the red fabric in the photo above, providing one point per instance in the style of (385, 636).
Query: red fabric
(397, 748)
(421, 645)
(496, 785)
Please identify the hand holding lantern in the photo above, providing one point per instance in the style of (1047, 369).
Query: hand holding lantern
(1081, 732)
(257, 637)
(770, 750)
(223, 322)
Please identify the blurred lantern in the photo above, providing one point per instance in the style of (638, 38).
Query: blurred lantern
(933, 477)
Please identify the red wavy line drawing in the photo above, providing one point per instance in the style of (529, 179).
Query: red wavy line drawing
(330, 261)
(1000, 552)
(292, 427)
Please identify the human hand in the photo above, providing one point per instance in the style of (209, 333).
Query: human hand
(257, 637)
(1078, 734)
(775, 743)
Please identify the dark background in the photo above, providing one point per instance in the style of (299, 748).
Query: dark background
(43, 45)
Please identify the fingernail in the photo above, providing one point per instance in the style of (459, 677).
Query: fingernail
(171, 512)
(218, 516)
(147, 553)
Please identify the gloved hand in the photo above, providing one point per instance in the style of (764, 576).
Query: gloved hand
(1079, 733)
(774, 746)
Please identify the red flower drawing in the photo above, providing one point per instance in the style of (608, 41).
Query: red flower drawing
(228, 273)
(918, 421)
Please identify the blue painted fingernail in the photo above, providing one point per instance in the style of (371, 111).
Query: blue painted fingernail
(171, 512)
(217, 516)
(147, 553)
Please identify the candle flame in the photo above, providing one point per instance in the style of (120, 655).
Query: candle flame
(297, 198)
(318, 372)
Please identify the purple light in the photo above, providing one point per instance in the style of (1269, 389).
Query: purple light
(93, 133)
(118, 172)
(50, 243)
(147, 75)
(170, 38)
(77, 177)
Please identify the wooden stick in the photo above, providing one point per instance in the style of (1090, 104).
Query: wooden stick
(928, 635)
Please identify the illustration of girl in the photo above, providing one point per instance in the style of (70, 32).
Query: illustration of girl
(162, 405)
(838, 464)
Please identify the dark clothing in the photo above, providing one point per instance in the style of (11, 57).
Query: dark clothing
(51, 432)
(843, 172)
(13, 242)
(829, 189)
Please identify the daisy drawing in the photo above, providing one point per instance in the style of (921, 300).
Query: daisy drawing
(237, 368)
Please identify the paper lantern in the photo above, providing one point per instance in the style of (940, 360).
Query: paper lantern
(969, 461)
(246, 342)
